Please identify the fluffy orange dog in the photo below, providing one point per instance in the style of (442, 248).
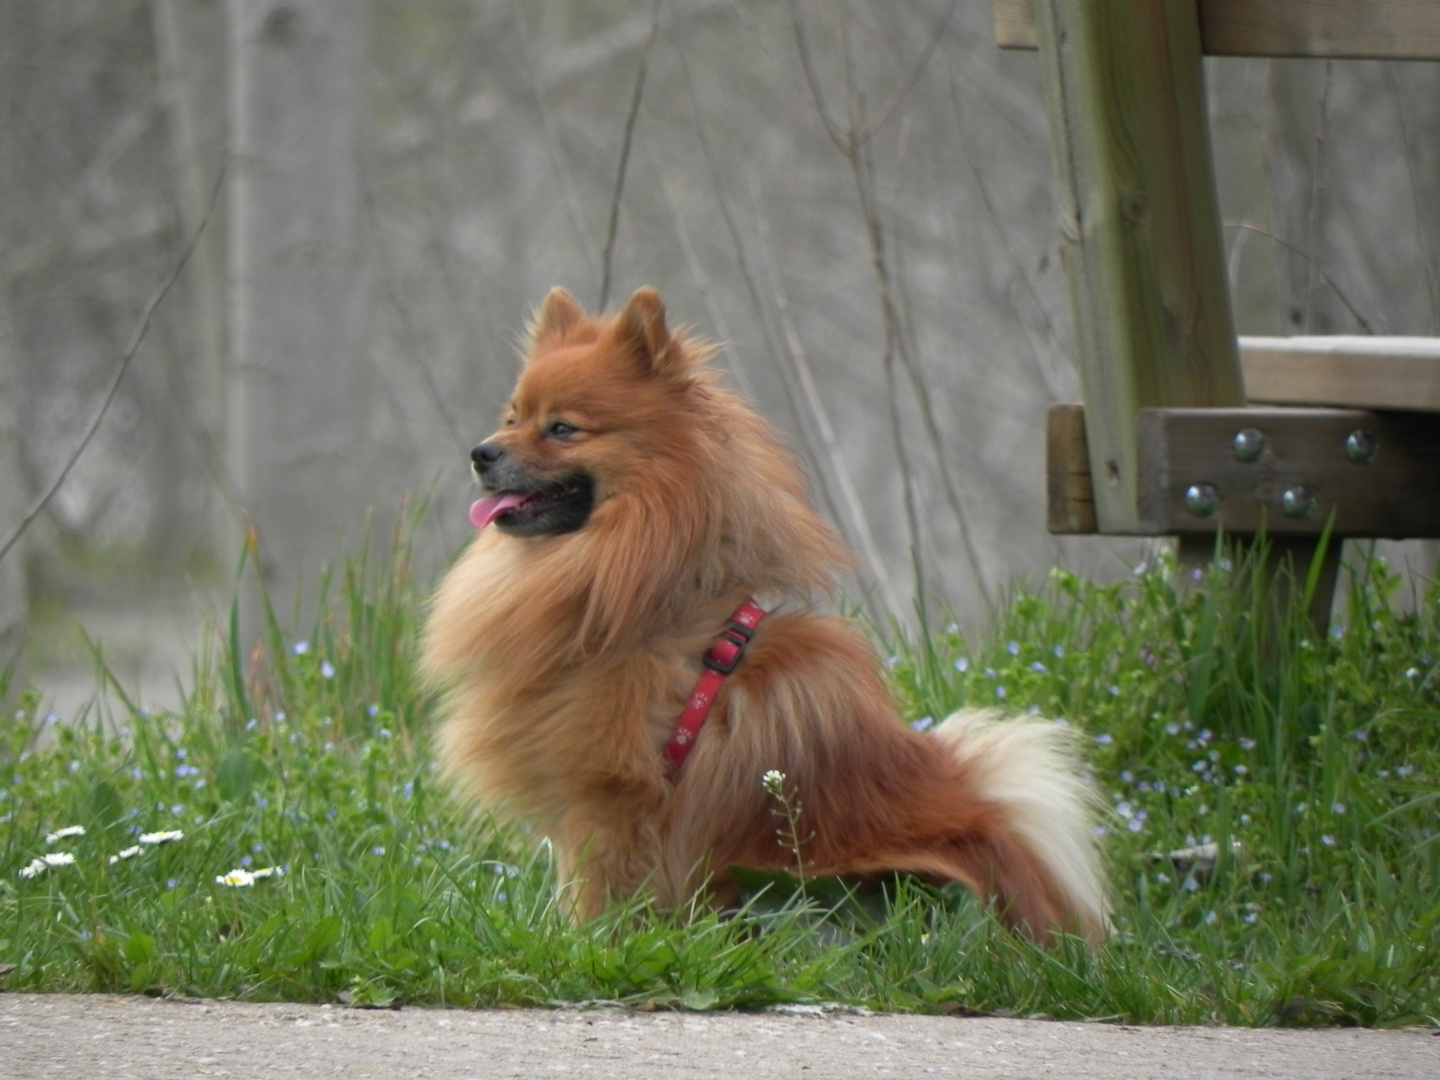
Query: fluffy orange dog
(636, 506)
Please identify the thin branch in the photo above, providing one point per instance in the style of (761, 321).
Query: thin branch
(1317, 189)
(605, 256)
(697, 274)
(552, 141)
(864, 539)
(1320, 275)
(1017, 268)
(407, 327)
(838, 135)
(899, 347)
(902, 91)
(1432, 294)
(120, 368)
(858, 528)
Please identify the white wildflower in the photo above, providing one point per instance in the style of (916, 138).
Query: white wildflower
(161, 837)
(45, 862)
(61, 834)
(236, 879)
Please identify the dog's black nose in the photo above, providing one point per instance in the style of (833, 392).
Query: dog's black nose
(487, 453)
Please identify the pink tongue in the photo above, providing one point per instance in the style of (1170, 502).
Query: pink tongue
(484, 511)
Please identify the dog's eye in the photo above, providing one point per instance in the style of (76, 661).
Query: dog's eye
(560, 430)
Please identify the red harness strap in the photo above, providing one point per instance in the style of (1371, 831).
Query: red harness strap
(720, 660)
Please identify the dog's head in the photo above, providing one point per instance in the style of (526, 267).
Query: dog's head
(599, 407)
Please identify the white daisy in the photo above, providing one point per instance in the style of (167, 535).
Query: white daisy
(267, 871)
(128, 853)
(61, 834)
(46, 861)
(236, 879)
(161, 837)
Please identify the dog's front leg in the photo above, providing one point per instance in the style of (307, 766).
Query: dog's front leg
(604, 856)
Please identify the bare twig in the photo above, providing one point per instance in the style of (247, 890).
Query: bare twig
(1320, 275)
(552, 141)
(1317, 189)
(902, 91)
(854, 144)
(625, 158)
(702, 284)
(858, 527)
(1044, 358)
(121, 367)
(795, 346)
(838, 135)
(407, 328)
(1432, 294)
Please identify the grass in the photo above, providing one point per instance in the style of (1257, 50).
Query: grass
(1309, 764)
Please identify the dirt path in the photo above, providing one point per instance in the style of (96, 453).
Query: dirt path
(119, 1038)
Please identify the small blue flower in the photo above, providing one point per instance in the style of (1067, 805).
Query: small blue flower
(300, 648)
(962, 664)
(1036, 665)
(1104, 738)
(327, 670)
(925, 723)
(378, 849)
(1013, 648)
(999, 691)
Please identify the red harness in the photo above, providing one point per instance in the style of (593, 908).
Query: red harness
(720, 661)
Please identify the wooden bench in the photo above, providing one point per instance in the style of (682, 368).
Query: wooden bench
(1186, 429)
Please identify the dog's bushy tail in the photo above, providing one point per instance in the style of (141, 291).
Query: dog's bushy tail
(1026, 768)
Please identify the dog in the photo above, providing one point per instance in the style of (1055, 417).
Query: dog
(642, 529)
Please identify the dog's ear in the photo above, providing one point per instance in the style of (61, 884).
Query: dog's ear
(641, 331)
(559, 313)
